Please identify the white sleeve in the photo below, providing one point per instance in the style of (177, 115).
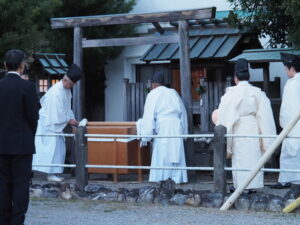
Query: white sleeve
(148, 121)
(183, 118)
(265, 121)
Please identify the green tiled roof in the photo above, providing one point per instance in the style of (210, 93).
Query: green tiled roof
(53, 63)
(208, 42)
(264, 55)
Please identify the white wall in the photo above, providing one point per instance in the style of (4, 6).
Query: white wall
(124, 65)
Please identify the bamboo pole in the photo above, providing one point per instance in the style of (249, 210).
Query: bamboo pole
(261, 163)
(291, 207)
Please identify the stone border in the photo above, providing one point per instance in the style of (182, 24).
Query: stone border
(166, 194)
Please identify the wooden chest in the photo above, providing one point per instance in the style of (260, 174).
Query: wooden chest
(115, 151)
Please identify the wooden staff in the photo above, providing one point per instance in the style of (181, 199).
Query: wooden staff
(291, 207)
(261, 163)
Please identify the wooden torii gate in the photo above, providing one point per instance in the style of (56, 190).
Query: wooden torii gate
(78, 23)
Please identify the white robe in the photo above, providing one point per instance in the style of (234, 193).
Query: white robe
(290, 150)
(165, 114)
(54, 116)
(246, 110)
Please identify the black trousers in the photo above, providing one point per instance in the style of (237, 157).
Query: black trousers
(15, 174)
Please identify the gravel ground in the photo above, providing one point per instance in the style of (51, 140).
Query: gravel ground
(58, 212)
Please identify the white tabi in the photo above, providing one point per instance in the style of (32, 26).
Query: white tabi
(290, 150)
(54, 116)
(246, 110)
(165, 114)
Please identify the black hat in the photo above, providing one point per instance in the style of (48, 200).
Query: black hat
(241, 69)
(290, 59)
(74, 73)
(158, 77)
(241, 66)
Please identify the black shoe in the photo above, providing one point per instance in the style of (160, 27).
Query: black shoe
(231, 189)
(249, 191)
(281, 186)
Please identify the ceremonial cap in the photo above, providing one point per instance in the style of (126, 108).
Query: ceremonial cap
(290, 59)
(241, 66)
(158, 77)
(74, 73)
(241, 69)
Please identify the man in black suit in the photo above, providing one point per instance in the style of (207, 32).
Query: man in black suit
(18, 122)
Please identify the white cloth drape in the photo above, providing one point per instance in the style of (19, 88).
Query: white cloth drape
(290, 151)
(54, 116)
(246, 110)
(165, 114)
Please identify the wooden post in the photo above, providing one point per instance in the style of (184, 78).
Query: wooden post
(78, 89)
(185, 77)
(204, 113)
(220, 160)
(81, 158)
(115, 160)
(266, 74)
(228, 82)
(140, 163)
(126, 99)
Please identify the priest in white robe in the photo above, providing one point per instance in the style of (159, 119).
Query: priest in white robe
(55, 114)
(245, 110)
(165, 114)
(290, 106)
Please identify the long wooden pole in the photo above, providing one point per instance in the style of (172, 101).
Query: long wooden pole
(261, 163)
(291, 207)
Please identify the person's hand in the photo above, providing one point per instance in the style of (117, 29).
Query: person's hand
(73, 122)
(143, 143)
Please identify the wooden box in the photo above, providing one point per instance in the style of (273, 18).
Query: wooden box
(115, 151)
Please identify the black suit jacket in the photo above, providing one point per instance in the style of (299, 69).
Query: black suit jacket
(18, 115)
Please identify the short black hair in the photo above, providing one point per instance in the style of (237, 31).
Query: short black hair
(243, 75)
(13, 59)
(296, 67)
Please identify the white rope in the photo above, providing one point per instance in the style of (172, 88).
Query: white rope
(150, 136)
(54, 165)
(166, 168)
(195, 136)
(55, 135)
(256, 136)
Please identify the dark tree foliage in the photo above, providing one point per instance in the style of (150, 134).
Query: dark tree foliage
(25, 24)
(278, 19)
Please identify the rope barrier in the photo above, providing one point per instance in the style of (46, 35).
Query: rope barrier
(166, 136)
(167, 168)
(55, 135)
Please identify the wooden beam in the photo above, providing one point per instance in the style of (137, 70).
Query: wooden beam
(130, 41)
(185, 78)
(78, 89)
(117, 19)
(158, 28)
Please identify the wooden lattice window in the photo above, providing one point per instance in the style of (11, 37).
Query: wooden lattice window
(54, 81)
(43, 85)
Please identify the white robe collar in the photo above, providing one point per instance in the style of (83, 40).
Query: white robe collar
(243, 83)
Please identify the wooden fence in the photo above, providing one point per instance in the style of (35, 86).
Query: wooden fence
(81, 149)
(210, 100)
(134, 100)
